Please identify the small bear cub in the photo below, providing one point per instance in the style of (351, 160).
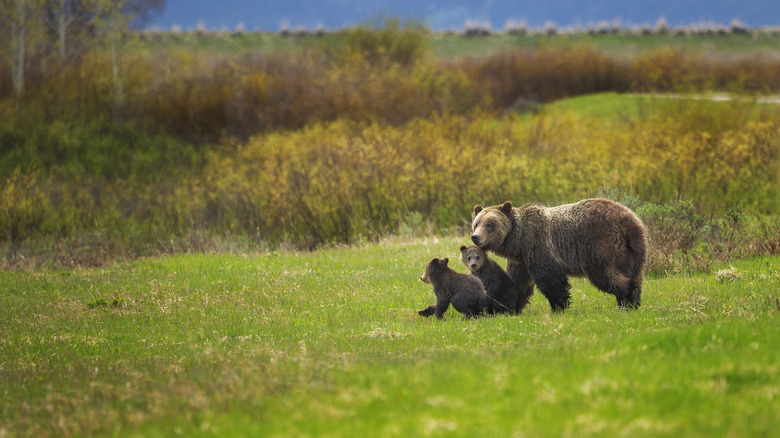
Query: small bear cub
(503, 291)
(464, 291)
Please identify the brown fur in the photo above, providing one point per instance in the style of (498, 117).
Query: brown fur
(464, 292)
(595, 238)
(503, 291)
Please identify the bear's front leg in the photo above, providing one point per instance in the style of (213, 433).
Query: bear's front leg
(428, 311)
(518, 272)
(556, 289)
(441, 307)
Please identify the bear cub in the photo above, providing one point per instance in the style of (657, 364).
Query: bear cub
(465, 292)
(503, 291)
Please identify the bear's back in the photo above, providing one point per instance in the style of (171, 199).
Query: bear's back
(449, 282)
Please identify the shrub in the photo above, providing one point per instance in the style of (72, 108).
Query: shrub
(674, 230)
(391, 42)
(23, 209)
(375, 148)
(546, 75)
(680, 239)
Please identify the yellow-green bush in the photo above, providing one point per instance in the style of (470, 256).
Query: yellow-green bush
(719, 163)
(23, 208)
(342, 181)
(337, 181)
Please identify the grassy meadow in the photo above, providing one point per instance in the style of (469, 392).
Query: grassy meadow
(328, 343)
(213, 234)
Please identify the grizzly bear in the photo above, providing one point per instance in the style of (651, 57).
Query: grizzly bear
(595, 238)
(465, 292)
(502, 290)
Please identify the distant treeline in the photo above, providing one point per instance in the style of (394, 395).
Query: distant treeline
(473, 28)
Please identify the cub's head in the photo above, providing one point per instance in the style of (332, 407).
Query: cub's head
(432, 268)
(491, 225)
(473, 257)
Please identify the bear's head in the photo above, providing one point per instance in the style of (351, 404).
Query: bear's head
(491, 225)
(473, 257)
(432, 268)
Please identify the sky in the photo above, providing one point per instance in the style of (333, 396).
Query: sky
(272, 15)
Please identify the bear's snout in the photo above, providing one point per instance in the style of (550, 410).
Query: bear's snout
(473, 266)
(475, 239)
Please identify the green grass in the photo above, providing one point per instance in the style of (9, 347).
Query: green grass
(329, 343)
(448, 46)
(626, 108)
(609, 107)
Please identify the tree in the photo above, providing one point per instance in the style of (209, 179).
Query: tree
(70, 21)
(64, 29)
(20, 19)
(113, 19)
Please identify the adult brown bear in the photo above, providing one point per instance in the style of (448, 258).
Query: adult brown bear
(595, 238)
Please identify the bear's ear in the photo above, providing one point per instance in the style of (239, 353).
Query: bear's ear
(507, 208)
(463, 248)
(477, 209)
(444, 261)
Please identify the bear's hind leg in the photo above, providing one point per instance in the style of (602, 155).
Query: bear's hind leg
(615, 283)
(628, 294)
(634, 297)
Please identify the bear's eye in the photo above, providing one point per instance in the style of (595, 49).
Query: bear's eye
(489, 226)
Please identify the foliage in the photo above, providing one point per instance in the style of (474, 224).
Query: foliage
(329, 343)
(23, 208)
(352, 137)
(346, 181)
(389, 42)
(546, 75)
(360, 73)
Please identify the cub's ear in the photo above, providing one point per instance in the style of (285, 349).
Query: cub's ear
(463, 248)
(507, 208)
(477, 209)
(444, 261)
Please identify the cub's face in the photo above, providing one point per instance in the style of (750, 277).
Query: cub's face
(432, 267)
(473, 257)
(491, 225)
